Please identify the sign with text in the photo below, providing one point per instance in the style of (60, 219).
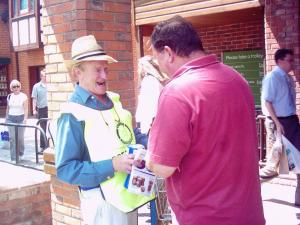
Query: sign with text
(250, 65)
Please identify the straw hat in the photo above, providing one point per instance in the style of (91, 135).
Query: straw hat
(86, 48)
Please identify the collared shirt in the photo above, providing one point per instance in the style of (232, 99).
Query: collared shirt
(39, 92)
(72, 157)
(278, 88)
(198, 129)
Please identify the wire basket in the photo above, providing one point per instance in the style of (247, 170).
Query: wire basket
(162, 205)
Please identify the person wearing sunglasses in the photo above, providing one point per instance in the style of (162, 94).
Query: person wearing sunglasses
(16, 112)
(93, 132)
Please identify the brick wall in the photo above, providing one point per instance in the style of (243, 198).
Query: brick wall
(229, 37)
(64, 197)
(26, 205)
(4, 38)
(232, 37)
(27, 59)
(64, 21)
(282, 31)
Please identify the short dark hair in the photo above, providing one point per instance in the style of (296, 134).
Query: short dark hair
(178, 34)
(281, 53)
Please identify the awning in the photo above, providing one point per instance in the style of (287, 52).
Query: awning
(4, 61)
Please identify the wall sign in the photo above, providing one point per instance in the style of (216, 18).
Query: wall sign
(251, 65)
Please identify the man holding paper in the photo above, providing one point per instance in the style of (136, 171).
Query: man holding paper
(93, 133)
(279, 106)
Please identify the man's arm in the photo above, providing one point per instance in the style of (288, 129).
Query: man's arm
(166, 149)
(34, 99)
(34, 111)
(271, 111)
(160, 170)
(70, 148)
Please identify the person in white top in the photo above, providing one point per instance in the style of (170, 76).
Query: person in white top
(152, 81)
(16, 112)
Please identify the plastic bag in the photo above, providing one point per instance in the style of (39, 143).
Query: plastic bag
(275, 154)
(4, 138)
(292, 154)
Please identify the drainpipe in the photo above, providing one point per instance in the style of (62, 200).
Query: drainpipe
(17, 65)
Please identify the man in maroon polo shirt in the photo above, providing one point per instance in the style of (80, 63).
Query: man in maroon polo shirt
(203, 139)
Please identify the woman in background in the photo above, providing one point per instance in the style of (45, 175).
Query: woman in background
(16, 112)
(152, 82)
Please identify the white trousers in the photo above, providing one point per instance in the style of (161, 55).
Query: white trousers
(96, 211)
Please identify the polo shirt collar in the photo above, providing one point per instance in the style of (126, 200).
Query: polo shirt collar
(42, 84)
(86, 95)
(196, 63)
(280, 71)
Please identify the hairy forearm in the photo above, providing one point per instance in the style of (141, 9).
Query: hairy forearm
(271, 111)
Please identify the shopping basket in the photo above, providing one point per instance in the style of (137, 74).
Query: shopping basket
(162, 205)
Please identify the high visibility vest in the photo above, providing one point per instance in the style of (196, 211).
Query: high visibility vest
(101, 137)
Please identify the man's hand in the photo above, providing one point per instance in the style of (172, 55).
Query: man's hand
(123, 163)
(279, 128)
(34, 112)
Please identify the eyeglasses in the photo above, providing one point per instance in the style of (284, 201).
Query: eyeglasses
(288, 60)
(17, 86)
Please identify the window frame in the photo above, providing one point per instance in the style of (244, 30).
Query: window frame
(21, 12)
(15, 19)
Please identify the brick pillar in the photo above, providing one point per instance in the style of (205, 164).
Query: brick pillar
(63, 21)
(282, 31)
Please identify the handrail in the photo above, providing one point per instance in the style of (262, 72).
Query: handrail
(261, 136)
(16, 126)
(35, 138)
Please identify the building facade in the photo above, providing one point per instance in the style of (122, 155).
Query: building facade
(243, 33)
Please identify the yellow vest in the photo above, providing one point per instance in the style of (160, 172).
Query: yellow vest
(106, 144)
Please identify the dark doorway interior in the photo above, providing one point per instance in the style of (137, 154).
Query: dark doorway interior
(34, 77)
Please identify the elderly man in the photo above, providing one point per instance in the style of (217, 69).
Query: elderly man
(196, 143)
(92, 137)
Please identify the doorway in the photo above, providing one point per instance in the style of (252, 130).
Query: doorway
(34, 77)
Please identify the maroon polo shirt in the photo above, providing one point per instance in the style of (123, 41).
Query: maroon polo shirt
(205, 127)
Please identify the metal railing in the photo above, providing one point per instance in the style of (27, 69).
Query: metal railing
(37, 152)
(261, 134)
(16, 126)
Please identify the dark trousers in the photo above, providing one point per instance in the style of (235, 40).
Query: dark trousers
(291, 127)
(43, 113)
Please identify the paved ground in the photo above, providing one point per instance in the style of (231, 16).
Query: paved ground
(277, 194)
(278, 202)
(29, 153)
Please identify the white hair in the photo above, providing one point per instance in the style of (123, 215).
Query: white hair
(14, 83)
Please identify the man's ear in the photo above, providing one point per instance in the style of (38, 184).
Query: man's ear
(170, 53)
(76, 72)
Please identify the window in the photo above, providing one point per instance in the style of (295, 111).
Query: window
(23, 7)
(25, 24)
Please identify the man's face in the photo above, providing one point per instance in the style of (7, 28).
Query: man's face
(43, 77)
(92, 76)
(162, 59)
(287, 63)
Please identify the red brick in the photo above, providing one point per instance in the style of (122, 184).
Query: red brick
(116, 7)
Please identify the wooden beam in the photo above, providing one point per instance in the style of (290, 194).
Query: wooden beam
(152, 18)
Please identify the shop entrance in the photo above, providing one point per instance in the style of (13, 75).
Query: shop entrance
(34, 77)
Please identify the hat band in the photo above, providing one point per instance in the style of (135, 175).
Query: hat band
(86, 56)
